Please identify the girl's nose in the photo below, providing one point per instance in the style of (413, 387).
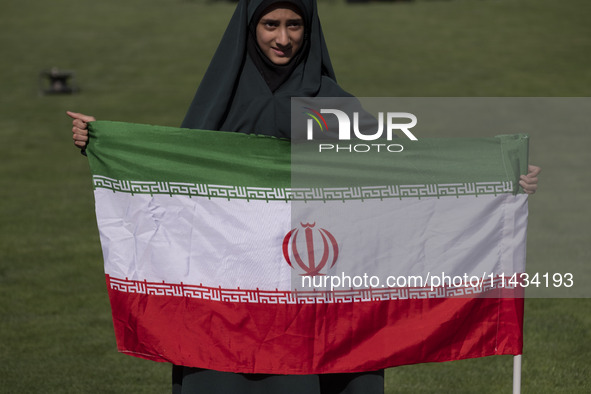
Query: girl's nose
(282, 37)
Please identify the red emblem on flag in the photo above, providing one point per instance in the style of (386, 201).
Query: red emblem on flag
(292, 247)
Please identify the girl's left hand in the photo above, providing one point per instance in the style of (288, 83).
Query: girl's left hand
(529, 182)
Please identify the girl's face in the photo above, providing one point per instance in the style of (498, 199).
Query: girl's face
(280, 34)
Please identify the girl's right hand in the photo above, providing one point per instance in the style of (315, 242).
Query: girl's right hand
(80, 128)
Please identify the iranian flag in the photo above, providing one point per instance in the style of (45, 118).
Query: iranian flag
(223, 253)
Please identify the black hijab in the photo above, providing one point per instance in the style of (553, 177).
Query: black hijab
(242, 91)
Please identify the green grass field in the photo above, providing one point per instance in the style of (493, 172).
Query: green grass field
(141, 61)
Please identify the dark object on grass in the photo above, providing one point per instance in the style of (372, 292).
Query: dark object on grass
(56, 81)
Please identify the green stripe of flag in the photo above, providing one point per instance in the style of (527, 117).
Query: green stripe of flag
(134, 152)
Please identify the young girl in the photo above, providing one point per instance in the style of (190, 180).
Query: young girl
(271, 51)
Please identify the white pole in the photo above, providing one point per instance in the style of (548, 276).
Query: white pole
(517, 374)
